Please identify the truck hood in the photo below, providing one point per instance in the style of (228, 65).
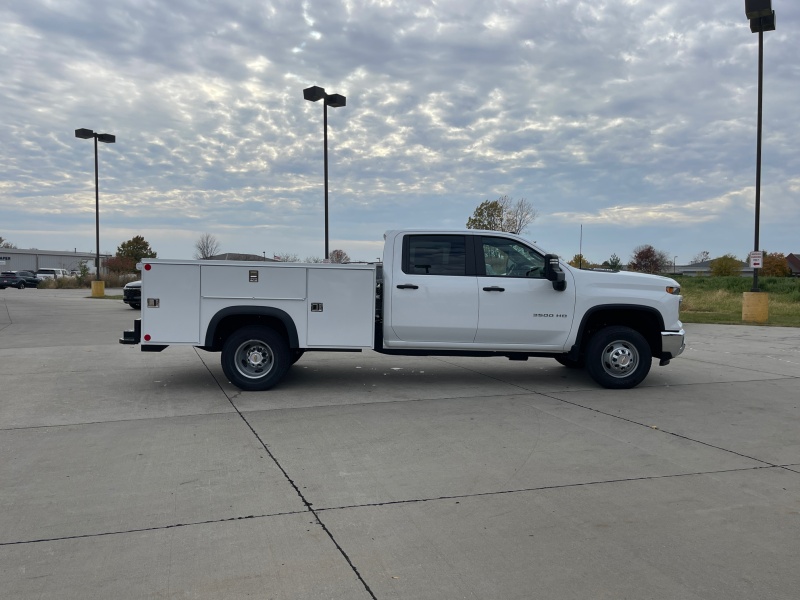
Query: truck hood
(622, 280)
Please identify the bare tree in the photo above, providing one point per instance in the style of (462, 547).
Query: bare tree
(206, 246)
(339, 256)
(286, 257)
(701, 256)
(503, 214)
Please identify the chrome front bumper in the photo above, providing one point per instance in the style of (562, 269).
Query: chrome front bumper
(672, 344)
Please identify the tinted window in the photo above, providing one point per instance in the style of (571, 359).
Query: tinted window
(436, 255)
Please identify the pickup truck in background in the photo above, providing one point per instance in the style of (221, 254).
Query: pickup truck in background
(52, 273)
(436, 293)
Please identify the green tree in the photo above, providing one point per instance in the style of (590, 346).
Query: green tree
(135, 249)
(725, 266)
(579, 261)
(615, 262)
(503, 214)
(647, 259)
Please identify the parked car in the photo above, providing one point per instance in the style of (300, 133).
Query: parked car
(132, 294)
(18, 279)
(51, 273)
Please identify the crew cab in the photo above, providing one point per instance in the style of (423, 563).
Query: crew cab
(436, 293)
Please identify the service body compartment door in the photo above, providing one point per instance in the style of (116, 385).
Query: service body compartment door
(254, 282)
(341, 307)
(171, 304)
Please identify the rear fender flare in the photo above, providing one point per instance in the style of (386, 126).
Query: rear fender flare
(252, 311)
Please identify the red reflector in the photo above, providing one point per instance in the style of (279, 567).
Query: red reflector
(147, 337)
(147, 267)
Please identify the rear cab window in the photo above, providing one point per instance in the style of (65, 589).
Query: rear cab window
(430, 254)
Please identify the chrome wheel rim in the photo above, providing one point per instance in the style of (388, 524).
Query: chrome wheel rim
(620, 359)
(254, 359)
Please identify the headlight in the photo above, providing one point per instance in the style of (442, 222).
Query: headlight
(675, 291)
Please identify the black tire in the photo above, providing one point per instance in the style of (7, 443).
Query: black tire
(570, 363)
(255, 358)
(21, 285)
(618, 358)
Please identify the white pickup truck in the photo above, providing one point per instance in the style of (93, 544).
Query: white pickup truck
(436, 293)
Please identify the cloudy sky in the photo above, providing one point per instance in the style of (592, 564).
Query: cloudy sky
(633, 118)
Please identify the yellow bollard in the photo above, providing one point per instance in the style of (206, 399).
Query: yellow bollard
(98, 289)
(755, 307)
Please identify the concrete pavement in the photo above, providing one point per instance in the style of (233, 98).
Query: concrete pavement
(133, 475)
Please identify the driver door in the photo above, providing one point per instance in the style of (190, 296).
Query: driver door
(517, 305)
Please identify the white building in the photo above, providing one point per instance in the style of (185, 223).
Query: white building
(17, 259)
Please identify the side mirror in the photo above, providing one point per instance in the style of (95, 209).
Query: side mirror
(553, 272)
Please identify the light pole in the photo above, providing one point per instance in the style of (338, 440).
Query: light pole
(674, 258)
(106, 138)
(313, 94)
(762, 18)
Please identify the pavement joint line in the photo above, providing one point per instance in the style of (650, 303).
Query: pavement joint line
(391, 503)
(777, 377)
(146, 529)
(576, 404)
(306, 503)
(547, 488)
(710, 362)
(10, 320)
(138, 419)
(672, 433)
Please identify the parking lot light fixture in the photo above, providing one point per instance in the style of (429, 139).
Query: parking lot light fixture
(762, 18)
(755, 306)
(313, 94)
(106, 138)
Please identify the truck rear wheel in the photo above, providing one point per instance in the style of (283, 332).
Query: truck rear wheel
(255, 358)
(618, 357)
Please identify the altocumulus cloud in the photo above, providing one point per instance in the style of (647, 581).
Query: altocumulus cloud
(635, 118)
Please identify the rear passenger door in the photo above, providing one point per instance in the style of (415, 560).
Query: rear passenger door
(435, 290)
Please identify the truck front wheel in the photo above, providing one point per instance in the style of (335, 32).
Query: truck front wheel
(255, 358)
(618, 357)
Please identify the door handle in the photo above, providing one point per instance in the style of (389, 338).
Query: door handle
(494, 288)
(407, 286)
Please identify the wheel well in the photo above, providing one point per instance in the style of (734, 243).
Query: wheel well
(647, 322)
(227, 325)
